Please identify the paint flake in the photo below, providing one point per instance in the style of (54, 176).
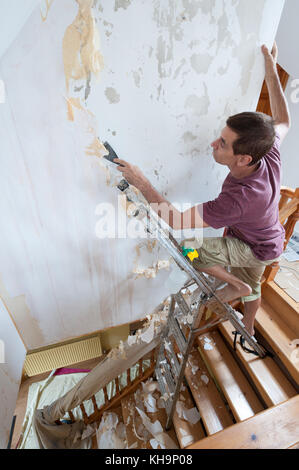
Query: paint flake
(148, 335)
(207, 344)
(111, 433)
(191, 415)
(150, 403)
(204, 378)
(187, 440)
(194, 367)
(132, 339)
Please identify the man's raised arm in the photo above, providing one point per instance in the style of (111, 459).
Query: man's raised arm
(278, 102)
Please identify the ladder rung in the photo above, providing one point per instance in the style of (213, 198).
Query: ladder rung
(182, 304)
(173, 359)
(178, 335)
(168, 377)
(162, 383)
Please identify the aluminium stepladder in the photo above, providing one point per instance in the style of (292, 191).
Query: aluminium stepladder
(169, 371)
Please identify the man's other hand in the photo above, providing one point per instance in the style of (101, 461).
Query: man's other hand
(272, 58)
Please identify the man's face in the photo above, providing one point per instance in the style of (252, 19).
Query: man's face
(223, 147)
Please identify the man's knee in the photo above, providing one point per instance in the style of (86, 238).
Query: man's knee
(255, 294)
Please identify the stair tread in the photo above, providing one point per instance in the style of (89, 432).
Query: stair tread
(274, 428)
(279, 335)
(213, 411)
(286, 298)
(242, 399)
(270, 381)
(187, 433)
(133, 420)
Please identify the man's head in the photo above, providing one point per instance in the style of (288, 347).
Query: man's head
(245, 140)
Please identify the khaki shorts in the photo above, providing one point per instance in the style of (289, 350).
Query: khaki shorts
(233, 253)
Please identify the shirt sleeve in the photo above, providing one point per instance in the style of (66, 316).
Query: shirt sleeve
(224, 211)
(277, 142)
(274, 153)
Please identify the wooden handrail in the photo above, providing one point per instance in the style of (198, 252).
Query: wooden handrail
(288, 217)
(288, 207)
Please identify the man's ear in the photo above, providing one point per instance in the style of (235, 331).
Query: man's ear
(244, 160)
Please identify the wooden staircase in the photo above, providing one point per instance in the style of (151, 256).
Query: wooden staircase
(243, 401)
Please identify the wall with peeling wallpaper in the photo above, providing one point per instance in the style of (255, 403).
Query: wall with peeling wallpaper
(155, 78)
(12, 355)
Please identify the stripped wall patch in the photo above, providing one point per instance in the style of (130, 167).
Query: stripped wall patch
(81, 48)
(45, 7)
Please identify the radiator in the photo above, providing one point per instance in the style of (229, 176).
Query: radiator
(62, 355)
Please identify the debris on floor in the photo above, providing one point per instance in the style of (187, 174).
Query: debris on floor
(204, 378)
(111, 433)
(207, 344)
(191, 415)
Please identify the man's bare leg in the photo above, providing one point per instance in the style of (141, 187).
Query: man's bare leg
(235, 288)
(250, 309)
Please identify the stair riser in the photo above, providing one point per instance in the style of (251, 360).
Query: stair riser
(266, 331)
(280, 304)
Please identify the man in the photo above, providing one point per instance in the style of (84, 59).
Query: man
(248, 204)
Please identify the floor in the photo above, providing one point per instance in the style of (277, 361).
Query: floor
(23, 394)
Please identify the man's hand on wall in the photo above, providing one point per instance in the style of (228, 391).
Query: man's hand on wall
(274, 52)
(270, 58)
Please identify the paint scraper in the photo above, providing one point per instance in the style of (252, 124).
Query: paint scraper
(123, 184)
(110, 157)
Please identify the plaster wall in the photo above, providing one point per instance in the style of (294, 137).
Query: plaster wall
(289, 148)
(13, 16)
(287, 38)
(12, 356)
(172, 73)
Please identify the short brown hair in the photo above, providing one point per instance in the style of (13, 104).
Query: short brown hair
(256, 133)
